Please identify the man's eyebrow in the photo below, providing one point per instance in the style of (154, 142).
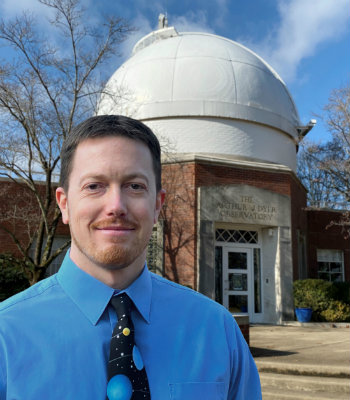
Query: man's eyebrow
(136, 175)
(103, 177)
(95, 177)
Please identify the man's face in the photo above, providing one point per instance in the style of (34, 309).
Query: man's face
(111, 204)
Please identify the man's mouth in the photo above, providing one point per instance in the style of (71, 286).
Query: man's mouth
(115, 228)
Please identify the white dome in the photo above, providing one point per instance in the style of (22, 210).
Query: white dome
(207, 94)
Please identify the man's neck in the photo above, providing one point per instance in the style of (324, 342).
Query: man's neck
(116, 277)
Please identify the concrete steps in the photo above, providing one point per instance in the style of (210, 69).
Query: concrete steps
(306, 382)
(276, 394)
(278, 386)
(285, 368)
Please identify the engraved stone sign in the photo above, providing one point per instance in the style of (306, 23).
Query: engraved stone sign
(244, 204)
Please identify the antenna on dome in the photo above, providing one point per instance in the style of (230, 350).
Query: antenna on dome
(162, 21)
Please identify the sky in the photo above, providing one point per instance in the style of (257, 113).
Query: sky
(306, 42)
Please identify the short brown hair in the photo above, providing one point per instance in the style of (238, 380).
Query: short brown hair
(105, 126)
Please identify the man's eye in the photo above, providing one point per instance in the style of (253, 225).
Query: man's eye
(93, 187)
(137, 187)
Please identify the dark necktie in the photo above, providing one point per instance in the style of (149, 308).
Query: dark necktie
(127, 379)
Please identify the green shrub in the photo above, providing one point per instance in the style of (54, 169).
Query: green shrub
(12, 279)
(314, 293)
(342, 291)
(337, 311)
(326, 299)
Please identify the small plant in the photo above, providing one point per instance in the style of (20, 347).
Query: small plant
(325, 299)
(337, 312)
(314, 293)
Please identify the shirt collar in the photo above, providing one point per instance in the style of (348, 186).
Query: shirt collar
(140, 292)
(92, 296)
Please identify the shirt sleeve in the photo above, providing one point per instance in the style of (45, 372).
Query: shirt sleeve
(245, 381)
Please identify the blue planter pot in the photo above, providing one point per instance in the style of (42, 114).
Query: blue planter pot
(303, 314)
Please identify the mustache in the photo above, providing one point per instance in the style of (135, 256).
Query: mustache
(114, 222)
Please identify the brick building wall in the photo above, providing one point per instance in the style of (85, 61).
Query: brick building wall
(20, 213)
(179, 216)
(321, 235)
(299, 221)
(215, 175)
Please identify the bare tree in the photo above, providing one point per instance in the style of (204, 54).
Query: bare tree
(337, 152)
(178, 216)
(46, 87)
(325, 168)
(318, 181)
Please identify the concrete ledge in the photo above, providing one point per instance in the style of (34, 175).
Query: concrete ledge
(317, 324)
(303, 369)
(274, 393)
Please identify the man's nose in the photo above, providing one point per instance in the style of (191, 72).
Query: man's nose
(115, 202)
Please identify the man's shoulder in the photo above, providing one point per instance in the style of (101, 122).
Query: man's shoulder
(28, 297)
(179, 292)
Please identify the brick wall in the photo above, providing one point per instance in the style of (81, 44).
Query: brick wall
(20, 214)
(216, 175)
(323, 236)
(299, 220)
(179, 214)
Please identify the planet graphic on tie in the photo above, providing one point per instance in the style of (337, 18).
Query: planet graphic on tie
(119, 388)
(137, 358)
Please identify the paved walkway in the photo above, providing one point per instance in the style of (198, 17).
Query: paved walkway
(319, 350)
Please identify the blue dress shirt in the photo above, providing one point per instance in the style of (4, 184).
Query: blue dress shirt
(54, 341)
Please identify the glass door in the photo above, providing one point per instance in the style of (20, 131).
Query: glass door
(237, 291)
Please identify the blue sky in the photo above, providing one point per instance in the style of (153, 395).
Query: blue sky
(306, 41)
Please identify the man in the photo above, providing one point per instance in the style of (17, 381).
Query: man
(55, 337)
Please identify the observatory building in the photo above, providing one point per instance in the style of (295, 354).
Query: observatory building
(234, 226)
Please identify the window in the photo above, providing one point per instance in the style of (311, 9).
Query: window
(155, 250)
(330, 265)
(152, 251)
(236, 236)
(58, 241)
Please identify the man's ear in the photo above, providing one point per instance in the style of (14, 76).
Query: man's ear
(159, 203)
(61, 199)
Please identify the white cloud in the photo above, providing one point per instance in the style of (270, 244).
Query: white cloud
(11, 8)
(191, 22)
(221, 13)
(144, 27)
(304, 26)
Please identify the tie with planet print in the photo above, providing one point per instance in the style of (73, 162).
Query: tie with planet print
(127, 378)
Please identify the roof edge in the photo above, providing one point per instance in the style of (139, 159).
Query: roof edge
(153, 37)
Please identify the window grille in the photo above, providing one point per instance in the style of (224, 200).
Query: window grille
(236, 236)
(153, 251)
(330, 265)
